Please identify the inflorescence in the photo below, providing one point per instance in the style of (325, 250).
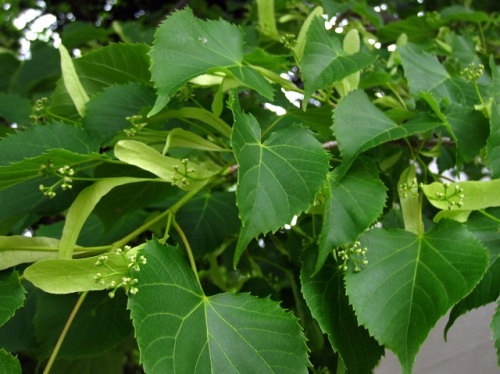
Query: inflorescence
(128, 283)
(354, 253)
(181, 177)
(65, 174)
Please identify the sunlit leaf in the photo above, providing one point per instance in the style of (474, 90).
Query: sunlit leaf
(72, 81)
(411, 281)
(325, 62)
(190, 47)
(277, 178)
(189, 332)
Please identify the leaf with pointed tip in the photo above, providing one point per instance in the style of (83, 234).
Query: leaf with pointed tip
(325, 62)
(191, 47)
(189, 332)
(488, 290)
(8, 363)
(277, 178)
(411, 281)
(353, 203)
(326, 298)
(359, 125)
(11, 295)
(426, 74)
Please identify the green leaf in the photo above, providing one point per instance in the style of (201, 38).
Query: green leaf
(201, 115)
(109, 362)
(18, 249)
(15, 109)
(188, 332)
(298, 49)
(62, 276)
(359, 125)
(267, 19)
(101, 323)
(10, 64)
(186, 139)
(11, 295)
(36, 140)
(326, 298)
(277, 178)
(107, 111)
(72, 82)
(485, 229)
(8, 363)
(495, 327)
(35, 167)
(353, 203)
(77, 34)
(411, 281)
(208, 219)
(111, 65)
(147, 158)
(425, 73)
(410, 200)
(418, 29)
(81, 209)
(191, 47)
(325, 62)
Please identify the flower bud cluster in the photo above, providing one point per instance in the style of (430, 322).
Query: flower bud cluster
(64, 173)
(454, 196)
(409, 190)
(137, 125)
(181, 177)
(128, 282)
(354, 253)
(472, 72)
(39, 110)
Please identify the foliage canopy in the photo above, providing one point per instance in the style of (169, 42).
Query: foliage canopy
(295, 186)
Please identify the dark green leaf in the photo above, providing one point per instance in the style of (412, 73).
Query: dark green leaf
(359, 125)
(207, 220)
(325, 62)
(36, 140)
(106, 112)
(488, 290)
(277, 178)
(325, 296)
(31, 168)
(100, 324)
(9, 64)
(418, 29)
(411, 281)
(11, 295)
(354, 202)
(114, 64)
(425, 73)
(77, 34)
(14, 108)
(109, 362)
(190, 47)
(8, 363)
(188, 332)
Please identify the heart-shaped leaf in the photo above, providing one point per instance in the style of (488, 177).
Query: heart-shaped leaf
(187, 332)
(277, 178)
(411, 281)
(189, 47)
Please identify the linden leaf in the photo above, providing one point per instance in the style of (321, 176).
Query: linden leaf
(189, 332)
(277, 178)
(413, 280)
